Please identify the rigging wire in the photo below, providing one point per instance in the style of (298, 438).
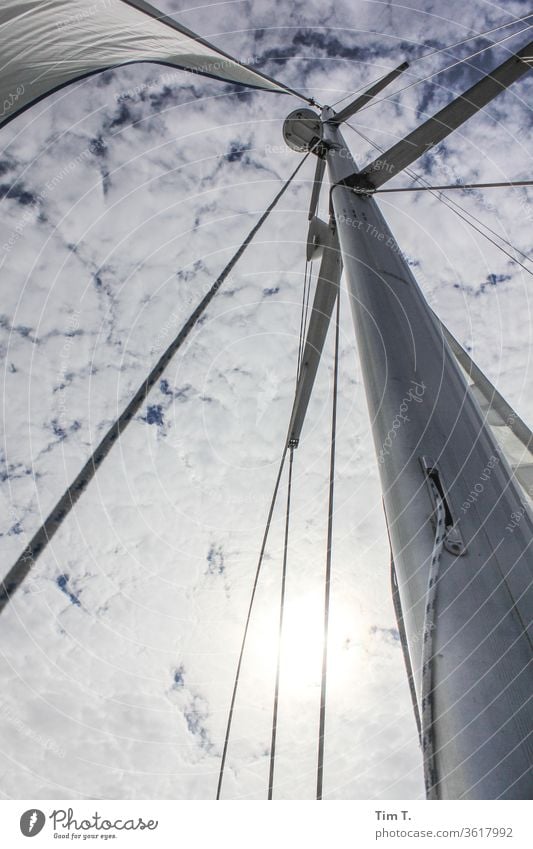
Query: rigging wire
(455, 207)
(305, 308)
(447, 201)
(444, 50)
(442, 70)
(306, 317)
(303, 322)
(508, 184)
(280, 632)
(327, 582)
(247, 623)
(465, 215)
(433, 189)
(472, 37)
(19, 571)
(304, 291)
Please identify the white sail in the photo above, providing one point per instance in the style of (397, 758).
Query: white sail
(47, 45)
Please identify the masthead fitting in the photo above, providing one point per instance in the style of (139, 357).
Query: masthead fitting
(302, 130)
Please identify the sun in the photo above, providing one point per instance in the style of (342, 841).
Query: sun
(302, 644)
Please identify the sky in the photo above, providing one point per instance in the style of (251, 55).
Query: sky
(123, 197)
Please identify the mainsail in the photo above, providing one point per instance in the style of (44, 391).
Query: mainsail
(511, 433)
(49, 45)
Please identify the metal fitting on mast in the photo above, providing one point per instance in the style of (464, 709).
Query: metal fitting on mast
(303, 130)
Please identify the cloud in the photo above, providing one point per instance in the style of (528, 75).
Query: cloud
(167, 177)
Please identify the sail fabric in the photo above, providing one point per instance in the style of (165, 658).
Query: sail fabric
(46, 44)
(511, 433)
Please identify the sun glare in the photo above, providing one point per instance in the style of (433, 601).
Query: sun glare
(302, 644)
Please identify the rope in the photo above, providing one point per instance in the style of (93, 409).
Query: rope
(280, 633)
(327, 588)
(442, 50)
(42, 537)
(426, 712)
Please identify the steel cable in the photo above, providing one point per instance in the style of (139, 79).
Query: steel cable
(280, 632)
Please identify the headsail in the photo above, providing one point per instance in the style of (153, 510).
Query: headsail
(46, 46)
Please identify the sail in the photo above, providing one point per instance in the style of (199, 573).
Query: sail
(47, 45)
(511, 433)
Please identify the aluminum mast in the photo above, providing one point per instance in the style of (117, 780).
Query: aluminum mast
(464, 580)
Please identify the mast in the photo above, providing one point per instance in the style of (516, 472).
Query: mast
(432, 443)
(463, 575)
